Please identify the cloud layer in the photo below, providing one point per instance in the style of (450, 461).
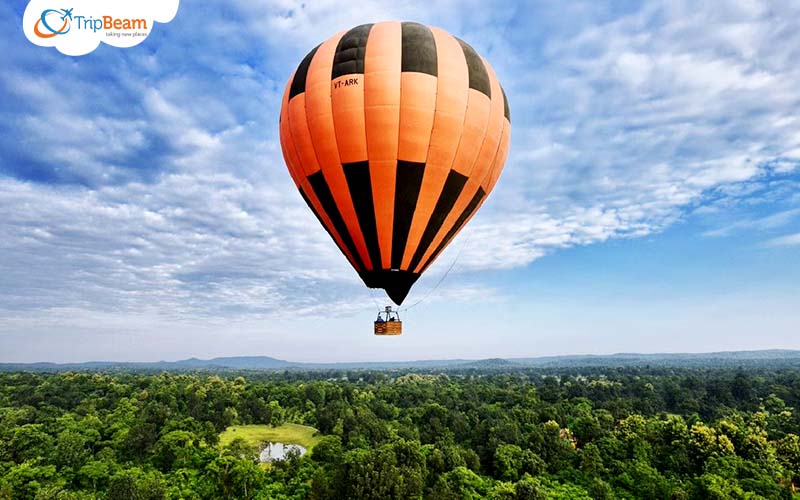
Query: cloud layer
(151, 179)
(629, 122)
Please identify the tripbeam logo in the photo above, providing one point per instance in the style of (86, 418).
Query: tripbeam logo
(79, 29)
(42, 27)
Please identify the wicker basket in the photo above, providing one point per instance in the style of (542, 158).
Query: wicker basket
(388, 327)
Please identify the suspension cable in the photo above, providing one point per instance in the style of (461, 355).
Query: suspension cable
(375, 302)
(452, 264)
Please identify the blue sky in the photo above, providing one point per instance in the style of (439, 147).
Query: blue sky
(650, 201)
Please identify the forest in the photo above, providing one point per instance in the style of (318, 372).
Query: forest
(522, 434)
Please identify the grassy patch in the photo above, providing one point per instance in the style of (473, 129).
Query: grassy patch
(303, 435)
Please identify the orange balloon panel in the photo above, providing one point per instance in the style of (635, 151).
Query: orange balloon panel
(395, 133)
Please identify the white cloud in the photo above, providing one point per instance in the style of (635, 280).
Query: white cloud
(628, 123)
(189, 244)
(772, 221)
(784, 241)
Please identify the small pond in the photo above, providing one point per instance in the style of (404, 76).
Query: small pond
(278, 451)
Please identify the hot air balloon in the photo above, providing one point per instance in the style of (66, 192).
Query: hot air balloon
(394, 134)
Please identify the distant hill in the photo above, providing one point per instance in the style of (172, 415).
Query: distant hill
(231, 363)
(774, 358)
(491, 364)
(710, 359)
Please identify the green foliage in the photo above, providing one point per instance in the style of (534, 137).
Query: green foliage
(328, 450)
(459, 483)
(581, 433)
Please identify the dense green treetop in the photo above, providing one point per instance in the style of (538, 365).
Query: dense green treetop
(537, 433)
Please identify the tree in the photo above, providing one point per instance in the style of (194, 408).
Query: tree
(247, 477)
(459, 484)
(29, 442)
(788, 451)
(135, 484)
(175, 449)
(705, 442)
(276, 413)
(70, 450)
(528, 488)
(328, 450)
(508, 462)
(239, 448)
(25, 479)
(93, 473)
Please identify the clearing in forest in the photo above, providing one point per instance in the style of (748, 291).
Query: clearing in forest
(255, 435)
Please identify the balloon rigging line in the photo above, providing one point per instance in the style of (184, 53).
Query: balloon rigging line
(452, 264)
(372, 296)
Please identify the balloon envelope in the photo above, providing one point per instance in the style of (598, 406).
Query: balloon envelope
(394, 134)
